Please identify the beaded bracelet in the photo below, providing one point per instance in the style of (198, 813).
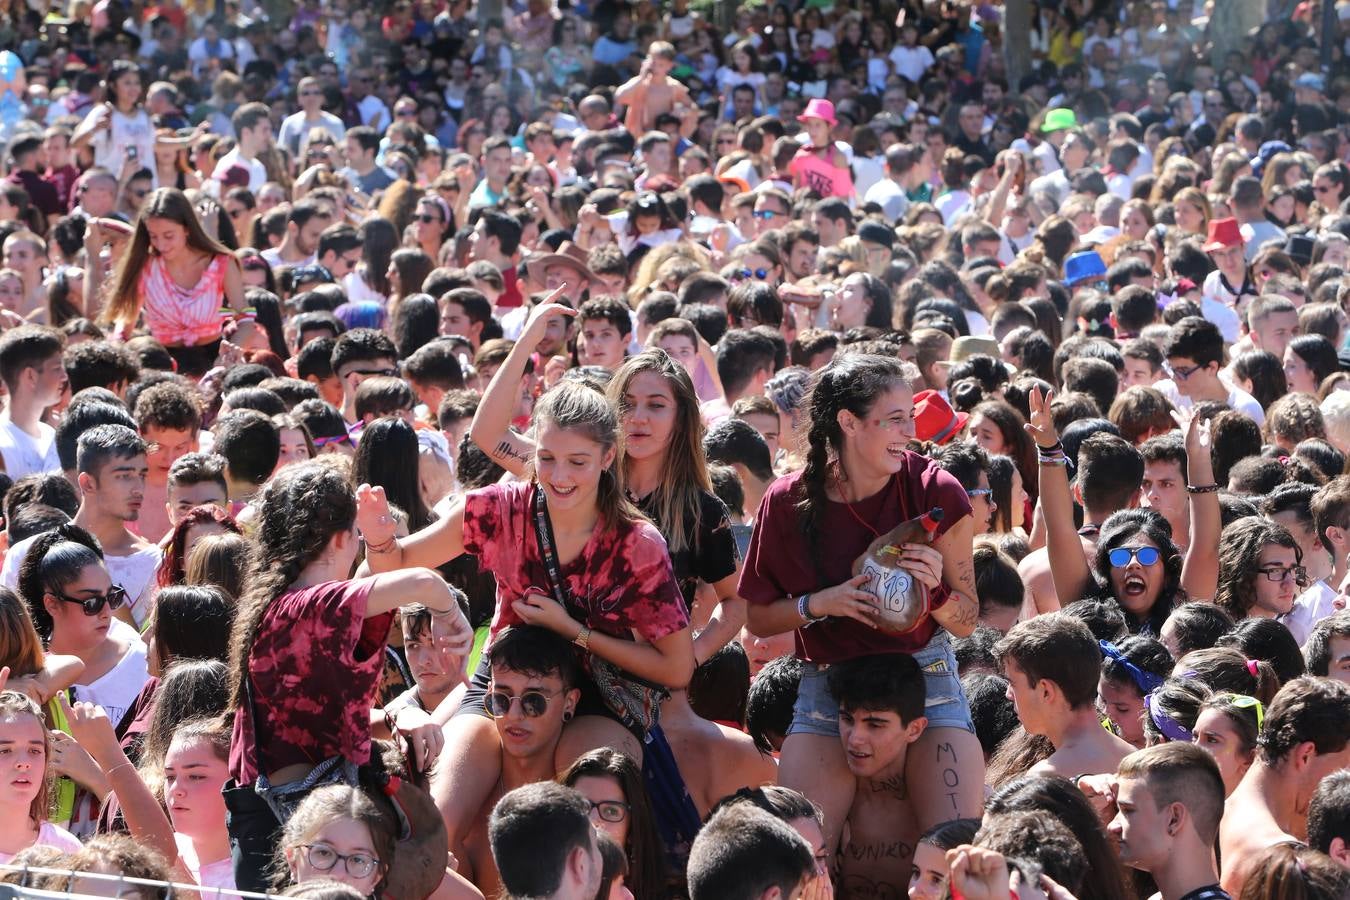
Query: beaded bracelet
(1202, 489)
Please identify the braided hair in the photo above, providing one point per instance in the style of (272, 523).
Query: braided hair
(301, 509)
(850, 382)
(55, 559)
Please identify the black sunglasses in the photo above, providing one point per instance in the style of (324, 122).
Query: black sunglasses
(92, 606)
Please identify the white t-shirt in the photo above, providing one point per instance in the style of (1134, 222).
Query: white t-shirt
(1238, 399)
(912, 62)
(257, 172)
(1310, 607)
(49, 835)
(119, 686)
(111, 145)
(890, 196)
(25, 454)
(135, 574)
(295, 126)
(217, 874)
(1216, 304)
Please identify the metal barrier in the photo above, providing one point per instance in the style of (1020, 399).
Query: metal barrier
(171, 889)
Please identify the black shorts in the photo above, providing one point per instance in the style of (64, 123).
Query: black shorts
(195, 361)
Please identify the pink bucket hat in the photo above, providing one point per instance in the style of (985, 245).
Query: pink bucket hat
(819, 109)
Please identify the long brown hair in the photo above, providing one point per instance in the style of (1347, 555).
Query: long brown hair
(573, 406)
(684, 471)
(20, 644)
(302, 507)
(124, 300)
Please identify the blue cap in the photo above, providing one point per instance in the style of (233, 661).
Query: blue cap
(1264, 154)
(1083, 266)
(1311, 80)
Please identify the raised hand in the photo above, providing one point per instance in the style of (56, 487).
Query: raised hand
(1041, 427)
(373, 518)
(544, 314)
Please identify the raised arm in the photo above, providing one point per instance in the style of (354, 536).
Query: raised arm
(1068, 566)
(438, 543)
(1012, 164)
(1200, 571)
(491, 428)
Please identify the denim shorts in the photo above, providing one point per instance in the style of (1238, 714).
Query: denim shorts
(945, 703)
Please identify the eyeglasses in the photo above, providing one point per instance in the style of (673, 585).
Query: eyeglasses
(533, 703)
(979, 492)
(1282, 573)
(428, 218)
(1145, 556)
(1242, 701)
(765, 214)
(1180, 373)
(324, 858)
(390, 372)
(743, 274)
(92, 606)
(610, 810)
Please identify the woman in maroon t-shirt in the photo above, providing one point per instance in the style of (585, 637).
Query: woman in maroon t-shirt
(307, 658)
(860, 482)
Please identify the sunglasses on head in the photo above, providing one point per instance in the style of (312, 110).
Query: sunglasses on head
(92, 606)
(533, 703)
(1242, 701)
(1121, 556)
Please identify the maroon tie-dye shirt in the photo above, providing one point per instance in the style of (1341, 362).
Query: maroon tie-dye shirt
(315, 668)
(622, 578)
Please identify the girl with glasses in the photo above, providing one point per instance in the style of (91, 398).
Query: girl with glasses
(72, 599)
(614, 786)
(339, 834)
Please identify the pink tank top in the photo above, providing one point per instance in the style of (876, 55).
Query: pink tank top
(821, 176)
(178, 316)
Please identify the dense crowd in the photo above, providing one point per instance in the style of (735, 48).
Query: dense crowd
(627, 450)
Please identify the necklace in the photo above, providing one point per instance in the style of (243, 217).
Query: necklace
(839, 486)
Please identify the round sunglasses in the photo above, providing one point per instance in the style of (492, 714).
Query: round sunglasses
(533, 703)
(1121, 556)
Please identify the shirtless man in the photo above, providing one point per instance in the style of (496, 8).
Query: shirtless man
(881, 706)
(653, 92)
(531, 695)
(1304, 739)
(695, 741)
(1052, 664)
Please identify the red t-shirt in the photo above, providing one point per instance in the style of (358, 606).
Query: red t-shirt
(780, 563)
(622, 578)
(315, 667)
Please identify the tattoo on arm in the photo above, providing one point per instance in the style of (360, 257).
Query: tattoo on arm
(505, 450)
